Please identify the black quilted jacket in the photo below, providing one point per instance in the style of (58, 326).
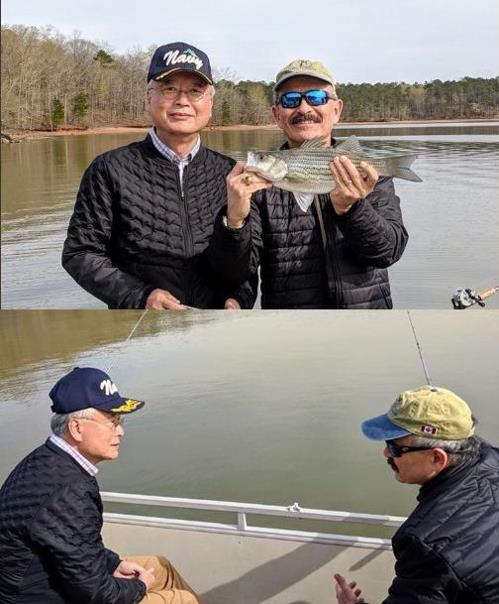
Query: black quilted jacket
(51, 550)
(133, 230)
(447, 551)
(295, 269)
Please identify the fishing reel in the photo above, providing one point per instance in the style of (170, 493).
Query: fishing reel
(465, 297)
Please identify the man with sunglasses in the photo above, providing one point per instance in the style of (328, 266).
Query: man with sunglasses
(335, 254)
(51, 511)
(144, 213)
(447, 551)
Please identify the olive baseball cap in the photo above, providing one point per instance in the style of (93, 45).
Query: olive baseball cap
(426, 411)
(304, 67)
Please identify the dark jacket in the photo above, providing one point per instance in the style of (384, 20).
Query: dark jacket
(51, 550)
(296, 269)
(133, 230)
(447, 551)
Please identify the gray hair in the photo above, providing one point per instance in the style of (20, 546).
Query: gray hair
(60, 421)
(460, 451)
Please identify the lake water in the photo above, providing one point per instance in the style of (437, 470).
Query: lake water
(452, 217)
(252, 407)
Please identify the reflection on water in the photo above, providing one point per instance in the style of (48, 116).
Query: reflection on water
(452, 217)
(241, 408)
(438, 128)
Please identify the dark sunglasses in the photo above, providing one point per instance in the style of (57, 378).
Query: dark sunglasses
(397, 451)
(291, 100)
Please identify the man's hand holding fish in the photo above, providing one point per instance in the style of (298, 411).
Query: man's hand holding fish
(350, 184)
(240, 188)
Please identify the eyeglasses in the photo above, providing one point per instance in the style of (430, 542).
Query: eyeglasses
(172, 92)
(397, 450)
(291, 100)
(114, 423)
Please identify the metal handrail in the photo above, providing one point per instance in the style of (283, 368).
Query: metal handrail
(242, 509)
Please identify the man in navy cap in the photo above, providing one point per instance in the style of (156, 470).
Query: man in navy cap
(51, 511)
(144, 213)
(447, 551)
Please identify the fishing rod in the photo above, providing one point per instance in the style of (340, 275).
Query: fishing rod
(132, 331)
(420, 351)
(466, 297)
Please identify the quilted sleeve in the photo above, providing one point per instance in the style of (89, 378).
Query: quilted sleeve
(234, 255)
(422, 576)
(373, 229)
(86, 250)
(67, 530)
(229, 251)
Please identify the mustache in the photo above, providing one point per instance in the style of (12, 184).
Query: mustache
(309, 116)
(390, 462)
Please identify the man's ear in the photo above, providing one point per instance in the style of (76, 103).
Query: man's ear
(276, 115)
(74, 429)
(440, 459)
(338, 108)
(212, 105)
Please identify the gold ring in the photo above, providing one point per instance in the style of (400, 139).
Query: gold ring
(247, 179)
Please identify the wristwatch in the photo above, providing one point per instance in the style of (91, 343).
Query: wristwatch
(226, 224)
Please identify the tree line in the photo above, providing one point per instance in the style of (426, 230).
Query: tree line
(49, 81)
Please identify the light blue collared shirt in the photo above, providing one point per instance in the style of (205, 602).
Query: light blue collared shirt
(76, 455)
(170, 154)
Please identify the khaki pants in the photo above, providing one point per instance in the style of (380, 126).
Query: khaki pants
(169, 586)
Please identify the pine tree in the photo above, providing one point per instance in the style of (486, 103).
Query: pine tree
(57, 114)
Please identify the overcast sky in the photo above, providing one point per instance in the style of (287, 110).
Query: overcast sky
(359, 40)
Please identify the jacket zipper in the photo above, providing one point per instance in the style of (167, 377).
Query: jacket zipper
(188, 230)
(333, 272)
(338, 290)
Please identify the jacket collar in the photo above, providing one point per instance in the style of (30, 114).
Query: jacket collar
(449, 477)
(285, 145)
(55, 449)
(155, 154)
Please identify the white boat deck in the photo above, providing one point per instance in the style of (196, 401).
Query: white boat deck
(244, 564)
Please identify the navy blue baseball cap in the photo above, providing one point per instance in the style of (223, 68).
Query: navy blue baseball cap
(179, 56)
(86, 387)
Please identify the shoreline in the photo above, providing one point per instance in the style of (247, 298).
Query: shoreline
(20, 135)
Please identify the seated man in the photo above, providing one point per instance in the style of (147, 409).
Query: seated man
(51, 511)
(447, 551)
(334, 254)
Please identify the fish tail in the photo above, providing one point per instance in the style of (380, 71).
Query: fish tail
(400, 168)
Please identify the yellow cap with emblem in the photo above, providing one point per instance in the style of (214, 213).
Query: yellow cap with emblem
(425, 411)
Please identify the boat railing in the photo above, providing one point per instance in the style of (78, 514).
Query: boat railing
(241, 526)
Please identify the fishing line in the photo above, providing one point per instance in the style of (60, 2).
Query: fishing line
(420, 350)
(132, 331)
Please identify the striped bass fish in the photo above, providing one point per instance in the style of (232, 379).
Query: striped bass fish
(305, 170)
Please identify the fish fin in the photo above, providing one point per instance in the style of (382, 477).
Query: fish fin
(304, 200)
(400, 168)
(350, 145)
(313, 143)
(406, 174)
